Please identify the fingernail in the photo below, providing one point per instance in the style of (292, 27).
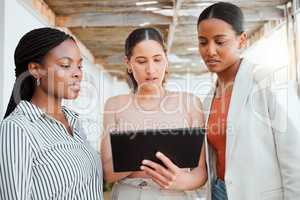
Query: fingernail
(145, 162)
(142, 167)
(158, 154)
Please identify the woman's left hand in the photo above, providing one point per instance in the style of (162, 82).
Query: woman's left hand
(167, 177)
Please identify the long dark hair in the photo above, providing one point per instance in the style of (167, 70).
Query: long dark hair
(227, 12)
(32, 47)
(135, 37)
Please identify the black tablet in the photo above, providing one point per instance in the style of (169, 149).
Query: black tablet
(182, 146)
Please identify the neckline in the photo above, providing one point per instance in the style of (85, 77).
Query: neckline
(142, 109)
(227, 94)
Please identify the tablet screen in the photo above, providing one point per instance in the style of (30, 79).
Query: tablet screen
(182, 146)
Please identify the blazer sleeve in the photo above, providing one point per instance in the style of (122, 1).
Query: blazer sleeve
(284, 111)
(15, 162)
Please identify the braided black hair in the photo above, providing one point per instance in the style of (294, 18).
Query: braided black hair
(32, 47)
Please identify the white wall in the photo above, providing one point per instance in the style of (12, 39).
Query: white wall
(17, 21)
(297, 18)
(2, 15)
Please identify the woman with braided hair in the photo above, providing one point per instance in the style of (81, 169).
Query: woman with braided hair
(43, 150)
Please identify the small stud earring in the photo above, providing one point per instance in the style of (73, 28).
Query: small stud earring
(38, 82)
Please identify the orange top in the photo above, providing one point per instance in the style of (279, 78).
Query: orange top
(217, 124)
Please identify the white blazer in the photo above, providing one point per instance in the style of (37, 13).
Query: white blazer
(263, 138)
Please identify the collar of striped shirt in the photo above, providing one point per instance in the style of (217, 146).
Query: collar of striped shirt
(33, 112)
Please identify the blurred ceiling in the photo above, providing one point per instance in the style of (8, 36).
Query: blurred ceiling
(103, 25)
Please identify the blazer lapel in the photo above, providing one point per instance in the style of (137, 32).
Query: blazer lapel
(207, 106)
(241, 90)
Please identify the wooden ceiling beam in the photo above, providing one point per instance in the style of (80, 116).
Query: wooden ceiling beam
(42, 11)
(172, 28)
(241, 3)
(103, 3)
(254, 14)
(109, 19)
(263, 14)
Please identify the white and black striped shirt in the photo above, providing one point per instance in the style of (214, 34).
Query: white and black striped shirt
(40, 160)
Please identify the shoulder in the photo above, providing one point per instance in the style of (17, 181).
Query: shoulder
(14, 127)
(265, 74)
(15, 136)
(271, 83)
(15, 120)
(272, 79)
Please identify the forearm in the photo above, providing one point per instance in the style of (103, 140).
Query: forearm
(110, 176)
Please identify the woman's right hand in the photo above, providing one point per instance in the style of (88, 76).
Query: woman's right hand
(168, 177)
